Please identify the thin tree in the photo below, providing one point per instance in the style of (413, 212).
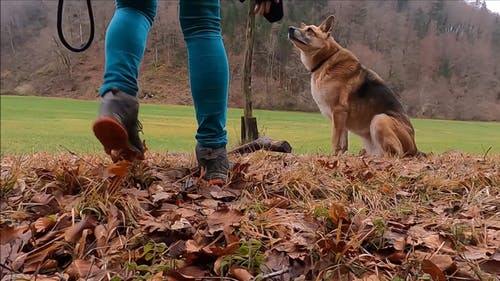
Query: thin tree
(249, 131)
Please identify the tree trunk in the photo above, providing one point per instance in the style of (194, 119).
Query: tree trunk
(11, 38)
(80, 24)
(155, 63)
(249, 131)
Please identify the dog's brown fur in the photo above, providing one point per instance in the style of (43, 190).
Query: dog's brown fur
(354, 97)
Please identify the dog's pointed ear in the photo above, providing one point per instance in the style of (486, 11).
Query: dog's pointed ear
(327, 25)
(302, 25)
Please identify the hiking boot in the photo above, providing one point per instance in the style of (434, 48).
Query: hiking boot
(117, 126)
(214, 161)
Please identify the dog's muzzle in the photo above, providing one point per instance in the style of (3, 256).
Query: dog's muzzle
(291, 31)
(294, 34)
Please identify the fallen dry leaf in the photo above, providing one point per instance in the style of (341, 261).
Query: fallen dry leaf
(119, 168)
(189, 272)
(276, 202)
(157, 277)
(31, 277)
(430, 268)
(371, 277)
(397, 240)
(397, 257)
(33, 261)
(186, 213)
(151, 225)
(219, 220)
(472, 212)
(229, 235)
(193, 247)
(81, 269)
(387, 189)
(20, 215)
(496, 255)
(43, 223)
(491, 266)
(240, 273)
(475, 253)
(223, 251)
(162, 196)
(417, 236)
(338, 212)
(73, 233)
(223, 195)
(8, 233)
(328, 164)
(217, 265)
(182, 224)
(444, 262)
(101, 234)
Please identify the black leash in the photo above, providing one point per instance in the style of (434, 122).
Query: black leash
(60, 30)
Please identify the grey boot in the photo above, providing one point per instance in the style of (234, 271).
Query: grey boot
(214, 160)
(117, 126)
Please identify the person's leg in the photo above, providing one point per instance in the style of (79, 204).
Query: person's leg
(126, 36)
(125, 42)
(209, 80)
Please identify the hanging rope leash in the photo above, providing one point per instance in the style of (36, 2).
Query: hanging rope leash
(60, 9)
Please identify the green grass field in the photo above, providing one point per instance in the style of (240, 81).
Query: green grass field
(35, 124)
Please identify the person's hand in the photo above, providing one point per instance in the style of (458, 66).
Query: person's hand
(263, 7)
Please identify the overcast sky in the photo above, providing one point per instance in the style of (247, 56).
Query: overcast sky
(493, 5)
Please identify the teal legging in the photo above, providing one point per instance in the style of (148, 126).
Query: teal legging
(208, 66)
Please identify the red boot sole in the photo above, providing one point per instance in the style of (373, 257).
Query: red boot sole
(114, 137)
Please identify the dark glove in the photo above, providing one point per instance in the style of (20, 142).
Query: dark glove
(275, 11)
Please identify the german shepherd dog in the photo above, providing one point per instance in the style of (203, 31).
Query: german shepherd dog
(354, 97)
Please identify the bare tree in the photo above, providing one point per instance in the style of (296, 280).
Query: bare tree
(63, 57)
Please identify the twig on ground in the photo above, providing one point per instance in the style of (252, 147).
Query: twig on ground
(486, 153)
(264, 143)
(269, 275)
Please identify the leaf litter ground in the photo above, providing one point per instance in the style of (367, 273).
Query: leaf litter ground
(281, 217)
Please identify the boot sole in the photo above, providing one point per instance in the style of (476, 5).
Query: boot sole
(114, 137)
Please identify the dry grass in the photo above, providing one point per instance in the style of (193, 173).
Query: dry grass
(282, 217)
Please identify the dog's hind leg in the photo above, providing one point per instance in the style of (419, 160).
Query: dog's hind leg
(406, 136)
(384, 135)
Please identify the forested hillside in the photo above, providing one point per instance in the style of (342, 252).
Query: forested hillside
(441, 57)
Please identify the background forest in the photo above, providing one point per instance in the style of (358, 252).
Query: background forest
(441, 57)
